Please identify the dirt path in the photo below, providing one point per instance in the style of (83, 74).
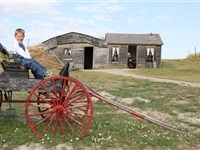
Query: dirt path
(123, 72)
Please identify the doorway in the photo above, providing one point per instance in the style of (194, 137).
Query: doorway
(132, 50)
(88, 57)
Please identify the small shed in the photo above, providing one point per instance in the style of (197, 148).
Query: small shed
(144, 50)
(84, 50)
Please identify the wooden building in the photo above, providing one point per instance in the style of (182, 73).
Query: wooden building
(85, 51)
(88, 52)
(143, 49)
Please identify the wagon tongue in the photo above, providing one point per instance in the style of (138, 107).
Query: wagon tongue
(131, 111)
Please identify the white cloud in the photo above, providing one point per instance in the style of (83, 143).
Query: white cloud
(39, 28)
(68, 21)
(41, 24)
(29, 8)
(103, 7)
(163, 18)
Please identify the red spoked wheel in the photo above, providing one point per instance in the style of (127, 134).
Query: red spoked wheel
(59, 105)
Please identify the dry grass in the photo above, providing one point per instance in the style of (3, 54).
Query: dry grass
(194, 57)
(45, 58)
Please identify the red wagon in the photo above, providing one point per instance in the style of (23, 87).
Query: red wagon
(59, 104)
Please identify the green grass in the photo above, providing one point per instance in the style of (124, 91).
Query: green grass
(110, 128)
(183, 69)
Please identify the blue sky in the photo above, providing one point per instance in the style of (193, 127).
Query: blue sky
(177, 22)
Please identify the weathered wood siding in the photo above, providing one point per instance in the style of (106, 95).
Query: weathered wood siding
(158, 55)
(78, 55)
(110, 54)
(123, 51)
(100, 57)
(141, 56)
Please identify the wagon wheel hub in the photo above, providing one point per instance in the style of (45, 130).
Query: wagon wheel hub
(59, 110)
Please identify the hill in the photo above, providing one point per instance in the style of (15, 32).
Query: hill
(45, 58)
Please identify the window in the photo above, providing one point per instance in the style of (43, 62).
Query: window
(67, 51)
(150, 54)
(115, 54)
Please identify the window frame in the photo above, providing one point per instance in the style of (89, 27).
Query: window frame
(67, 51)
(152, 49)
(113, 49)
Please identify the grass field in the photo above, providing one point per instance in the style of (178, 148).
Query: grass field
(183, 69)
(111, 128)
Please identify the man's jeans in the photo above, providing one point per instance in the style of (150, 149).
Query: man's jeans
(37, 69)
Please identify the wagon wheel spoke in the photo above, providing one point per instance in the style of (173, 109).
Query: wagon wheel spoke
(40, 113)
(55, 89)
(63, 90)
(69, 101)
(78, 113)
(63, 106)
(76, 121)
(41, 98)
(40, 106)
(47, 127)
(41, 121)
(69, 125)
(55, 126)
(43, 104)
(62, 126)
(48, 94)
(72, 91)
(77, 107)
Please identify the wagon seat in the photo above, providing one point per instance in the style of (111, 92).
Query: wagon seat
(11, 68)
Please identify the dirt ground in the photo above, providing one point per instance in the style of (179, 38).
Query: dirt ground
(123, 72)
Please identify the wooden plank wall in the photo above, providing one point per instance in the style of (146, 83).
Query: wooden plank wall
(100, 57)
(123, 54)
(158, 56)
(141, 56)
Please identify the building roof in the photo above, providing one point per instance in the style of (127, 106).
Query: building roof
(135, 39)
(75, 37)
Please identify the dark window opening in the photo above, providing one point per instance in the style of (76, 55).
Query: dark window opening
(131, 56)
